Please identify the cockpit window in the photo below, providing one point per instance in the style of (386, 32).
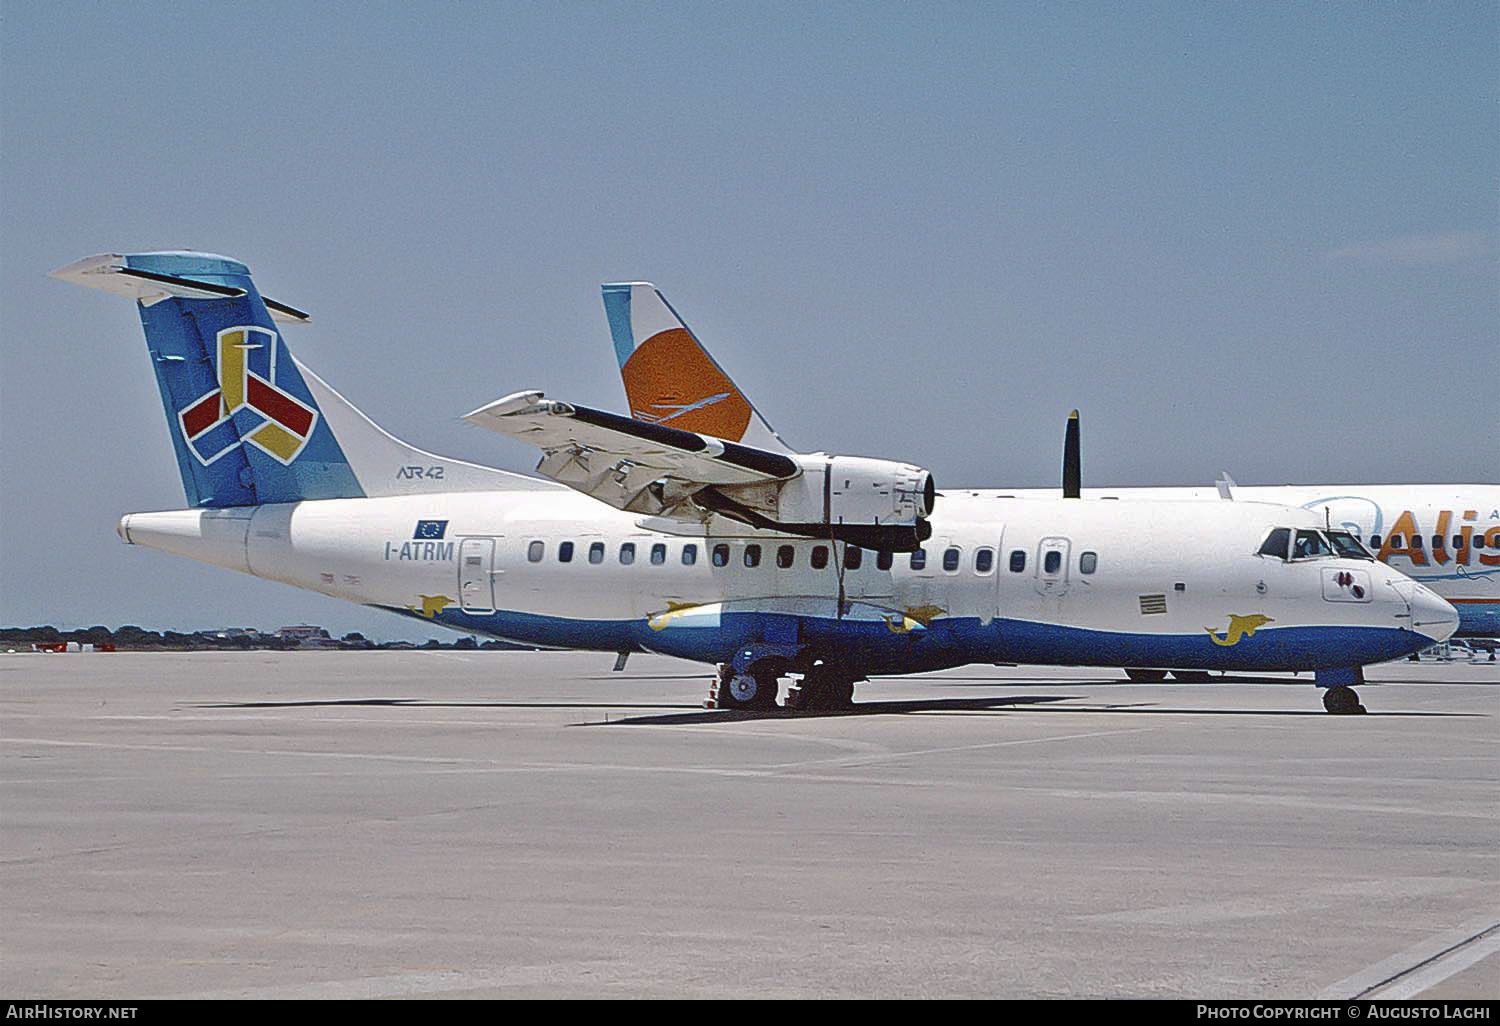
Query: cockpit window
(1309, 545)
(1276, 543)
(1347, 546)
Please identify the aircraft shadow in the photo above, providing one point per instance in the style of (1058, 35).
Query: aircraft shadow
(422, 703)
(971, 705)
(1001, 704)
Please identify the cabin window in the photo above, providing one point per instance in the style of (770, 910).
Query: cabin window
(1276, 543)
(853, 556)
(1416, 541)
(1479, 540)
(1375, 542)
(1018, 561)
(721, 555)
(786, 555)
(950, 559)
(1088, 562)
(596, 552)
(565, 552)
(1437, 541)
(1458, 541)
(819, 558)
(919, 559)
(535, 551)
(984, 561)
(883, 560)
(689, 554)
(627, 553)
(752, 555)
(1396, 542)
(1052, 562)
(658, 554)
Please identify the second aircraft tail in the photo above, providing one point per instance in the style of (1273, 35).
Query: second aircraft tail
(669, 377)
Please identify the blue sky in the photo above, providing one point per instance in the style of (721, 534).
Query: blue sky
(1241, 237)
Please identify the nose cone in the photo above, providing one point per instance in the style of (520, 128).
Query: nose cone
(1431, 614)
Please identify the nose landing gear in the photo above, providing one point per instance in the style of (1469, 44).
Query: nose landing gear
(1343, 701)
(1339, 696)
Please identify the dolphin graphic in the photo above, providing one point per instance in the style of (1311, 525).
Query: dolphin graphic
(1240, 627)
(432, 605)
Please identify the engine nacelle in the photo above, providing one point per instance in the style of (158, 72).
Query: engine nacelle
(877, 504)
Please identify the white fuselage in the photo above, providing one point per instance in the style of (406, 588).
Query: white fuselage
(1005, 579)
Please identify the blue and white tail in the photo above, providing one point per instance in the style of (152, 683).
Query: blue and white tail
(249, 424)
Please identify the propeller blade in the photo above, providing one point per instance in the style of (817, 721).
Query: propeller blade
(1072, 474)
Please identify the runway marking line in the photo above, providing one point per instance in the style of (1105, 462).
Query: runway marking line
(1423, 965)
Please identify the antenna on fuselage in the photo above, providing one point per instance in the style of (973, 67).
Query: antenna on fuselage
(1072, 470)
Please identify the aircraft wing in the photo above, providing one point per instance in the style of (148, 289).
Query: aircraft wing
(629, 464)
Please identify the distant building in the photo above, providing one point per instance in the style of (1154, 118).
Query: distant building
(303, 633)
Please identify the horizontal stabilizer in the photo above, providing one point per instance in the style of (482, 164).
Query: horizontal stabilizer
(112, 273)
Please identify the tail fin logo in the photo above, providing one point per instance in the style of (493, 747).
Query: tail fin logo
(248, 406)
(669, 379)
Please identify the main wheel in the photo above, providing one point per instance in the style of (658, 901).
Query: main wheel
(755, 689)
(821, 692)
(1342, 701)
(1141, 676)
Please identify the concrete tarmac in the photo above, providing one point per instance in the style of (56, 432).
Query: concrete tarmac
(456, 824)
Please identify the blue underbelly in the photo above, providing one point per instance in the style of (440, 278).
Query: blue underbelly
(875, 647)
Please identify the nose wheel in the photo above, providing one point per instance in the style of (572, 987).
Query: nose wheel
(1342, 701)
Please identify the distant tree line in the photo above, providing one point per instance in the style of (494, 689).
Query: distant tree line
(133, 638)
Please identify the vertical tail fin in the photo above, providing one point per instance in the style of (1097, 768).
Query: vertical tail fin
(246, 424)
(670, 378)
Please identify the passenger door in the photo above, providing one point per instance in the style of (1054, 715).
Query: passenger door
(476, 575)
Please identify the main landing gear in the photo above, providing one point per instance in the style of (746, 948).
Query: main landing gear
(753, 688)
(822, 688)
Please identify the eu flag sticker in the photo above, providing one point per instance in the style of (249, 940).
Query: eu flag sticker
(430, 530)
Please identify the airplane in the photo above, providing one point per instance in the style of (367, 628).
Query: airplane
(1444, 536)
(754, 558)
